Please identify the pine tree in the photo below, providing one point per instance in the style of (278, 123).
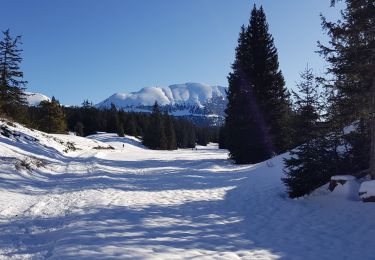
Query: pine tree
(307, 108)
(351, 55)
(120, 130)
(154, 137)
(222, 138)
(308, 166)
(170, 133)
(257, 111)
(53, 118)
(130, 125)
(79, 129)
(12, 97)
(113, 121)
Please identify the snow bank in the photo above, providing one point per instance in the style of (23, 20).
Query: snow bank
(367, 189)
(343, 178)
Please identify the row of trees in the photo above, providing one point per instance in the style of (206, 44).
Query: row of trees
(158, 131)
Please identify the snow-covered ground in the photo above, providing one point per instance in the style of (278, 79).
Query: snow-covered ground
(67, 197)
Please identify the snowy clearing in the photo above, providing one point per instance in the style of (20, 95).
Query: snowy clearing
(67, 197)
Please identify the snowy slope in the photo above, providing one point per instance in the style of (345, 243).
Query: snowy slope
(195, 94)
(33, 99)
(129, 202)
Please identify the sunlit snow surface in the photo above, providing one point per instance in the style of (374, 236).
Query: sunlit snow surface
(134, 203)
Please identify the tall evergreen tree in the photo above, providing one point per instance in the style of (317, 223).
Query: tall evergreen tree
(258, 107)
(79, 129)
(170, 133)
(351, 55)
(113, 121)
(130, 125)
(120, 130)
(154, 137)
(52, 117)
(309, 165)
(12, 85)
(307, 107)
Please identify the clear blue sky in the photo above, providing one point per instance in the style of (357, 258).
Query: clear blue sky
(90, 49)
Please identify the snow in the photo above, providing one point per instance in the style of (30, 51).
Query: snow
(196, 94)
(343, 178)
(34, 99)
(133, 203)
(367, 189)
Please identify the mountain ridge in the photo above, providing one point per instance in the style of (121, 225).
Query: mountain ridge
(200, 103)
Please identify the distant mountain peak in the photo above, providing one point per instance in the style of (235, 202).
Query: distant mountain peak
(193, 94)
(201, 103)
(34, 99)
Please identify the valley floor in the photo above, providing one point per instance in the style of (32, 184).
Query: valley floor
(133, 203)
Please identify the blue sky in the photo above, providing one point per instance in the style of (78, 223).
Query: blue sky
(90, 49)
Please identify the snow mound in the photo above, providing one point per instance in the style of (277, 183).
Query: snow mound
(343, 178)
(367, 189)
(348, 190)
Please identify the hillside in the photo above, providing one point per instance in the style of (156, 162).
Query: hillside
(68, 197)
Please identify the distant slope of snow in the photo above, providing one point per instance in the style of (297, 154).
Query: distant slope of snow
(180, 94)
(106, 197)
(34, 99)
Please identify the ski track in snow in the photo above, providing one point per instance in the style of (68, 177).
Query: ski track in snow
(134, 203)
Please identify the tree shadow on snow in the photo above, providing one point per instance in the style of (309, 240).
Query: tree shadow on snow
(132, 233)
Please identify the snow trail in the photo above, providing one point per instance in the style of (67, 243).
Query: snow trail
(134, 203)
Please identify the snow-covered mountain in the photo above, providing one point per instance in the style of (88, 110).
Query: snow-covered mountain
(201, 103)
(34, 99)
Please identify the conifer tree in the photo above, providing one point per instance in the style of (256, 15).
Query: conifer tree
(307, 107)
(309, 165)
(79, 129)
(170, 133)
(120, 130)
(154, 137)
(53, 118)
(351, 55)
(258, 107)
(12, 85)
(222, 138)
(113, 121)
(130, 125)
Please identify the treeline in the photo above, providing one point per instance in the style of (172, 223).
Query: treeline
(326, 122)
(158, 131)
